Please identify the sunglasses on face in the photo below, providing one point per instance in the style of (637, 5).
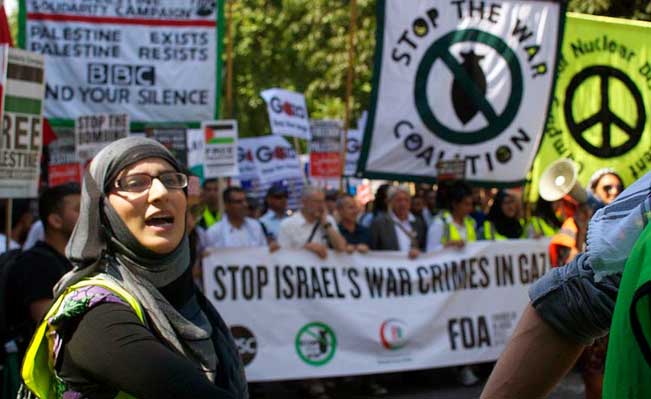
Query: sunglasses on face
(140, 182)
(609, 187)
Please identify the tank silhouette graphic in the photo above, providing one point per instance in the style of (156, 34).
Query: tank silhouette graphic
(464, 107)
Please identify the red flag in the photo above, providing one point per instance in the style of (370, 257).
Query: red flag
(5, 38)
(5, 34)
(48, 133)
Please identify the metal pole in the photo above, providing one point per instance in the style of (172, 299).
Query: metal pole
(349, 85)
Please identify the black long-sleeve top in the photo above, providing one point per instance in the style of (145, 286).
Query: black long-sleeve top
(110, 350)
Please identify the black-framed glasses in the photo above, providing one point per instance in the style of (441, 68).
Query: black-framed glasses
(139, 182)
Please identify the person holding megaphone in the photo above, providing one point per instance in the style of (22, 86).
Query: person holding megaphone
(559, 182)
(572, 306)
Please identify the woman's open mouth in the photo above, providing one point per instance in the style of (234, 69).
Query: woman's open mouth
(160, 221)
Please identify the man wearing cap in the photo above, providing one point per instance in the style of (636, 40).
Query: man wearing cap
(276, 201)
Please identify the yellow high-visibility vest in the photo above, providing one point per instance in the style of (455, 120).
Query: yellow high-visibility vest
(541, 227)
(490, 233)
(451, 233)
(38, 371)
(209, 218)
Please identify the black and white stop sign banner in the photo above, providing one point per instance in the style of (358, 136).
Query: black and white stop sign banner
(460, 79)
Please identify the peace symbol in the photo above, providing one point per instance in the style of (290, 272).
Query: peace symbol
(605, 117)
(497, 123)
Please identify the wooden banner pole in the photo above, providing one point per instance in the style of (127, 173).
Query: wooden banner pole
(349, 87)
(229, 59)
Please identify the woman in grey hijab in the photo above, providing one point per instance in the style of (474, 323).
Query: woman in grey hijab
(128, 320)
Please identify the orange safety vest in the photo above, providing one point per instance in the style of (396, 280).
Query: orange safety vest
(566, 237)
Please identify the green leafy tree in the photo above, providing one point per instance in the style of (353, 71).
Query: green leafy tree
(302, 46)
(635, 9)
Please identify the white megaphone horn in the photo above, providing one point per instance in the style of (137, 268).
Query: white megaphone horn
(559, 180)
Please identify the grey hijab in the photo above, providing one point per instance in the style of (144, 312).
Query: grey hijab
(102, 243)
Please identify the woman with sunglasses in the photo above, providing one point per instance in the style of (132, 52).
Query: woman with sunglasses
(128, 320)
(606, 185)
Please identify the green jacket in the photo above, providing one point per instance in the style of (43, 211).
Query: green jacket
(628, 361)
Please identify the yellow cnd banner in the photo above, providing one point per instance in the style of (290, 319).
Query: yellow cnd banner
(601, 111)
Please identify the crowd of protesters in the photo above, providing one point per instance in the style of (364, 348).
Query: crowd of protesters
(413, 220)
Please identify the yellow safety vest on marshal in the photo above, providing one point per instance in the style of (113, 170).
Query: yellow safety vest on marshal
(451, 233)
(541, 227)
(211, 219)
(490, 233)
(38, 371)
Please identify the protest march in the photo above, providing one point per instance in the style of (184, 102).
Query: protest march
(325, 199)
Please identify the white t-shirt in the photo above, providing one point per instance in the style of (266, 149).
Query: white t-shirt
(295, 230)
(404, 241)
(3, 244)
(437, 229)
(224, 235)
(36, 233)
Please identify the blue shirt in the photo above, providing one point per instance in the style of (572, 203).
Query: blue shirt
(361, 235)
(271, 223)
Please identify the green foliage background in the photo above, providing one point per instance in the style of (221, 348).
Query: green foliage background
(301, 45)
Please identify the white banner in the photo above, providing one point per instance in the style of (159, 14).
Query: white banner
(353, 149)
(294, 315)
(196, 151)
(220, 148)
(354, 145)
(155, 59)
(267, 158)
(460, 79)
(94, 132)
(22, 132)
(287, 113)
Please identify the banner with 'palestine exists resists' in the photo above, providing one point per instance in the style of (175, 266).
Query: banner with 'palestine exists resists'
(156, 60)
(601, 112)
(460, 79)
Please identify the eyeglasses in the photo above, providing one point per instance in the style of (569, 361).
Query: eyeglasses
(609, 187)
(140, 182)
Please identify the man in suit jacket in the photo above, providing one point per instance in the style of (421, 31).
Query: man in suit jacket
(398, 229)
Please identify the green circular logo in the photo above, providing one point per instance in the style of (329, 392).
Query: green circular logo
(316, 343)
(469, 88)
